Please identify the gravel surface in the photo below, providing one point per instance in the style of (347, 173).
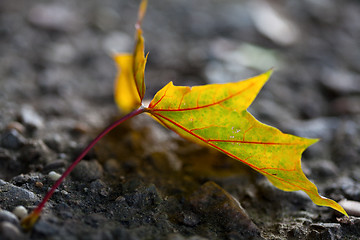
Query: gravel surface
(143, 181)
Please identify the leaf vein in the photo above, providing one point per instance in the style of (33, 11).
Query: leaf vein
(159, 116)
(153, 106)
(251, 142)
(203, 106)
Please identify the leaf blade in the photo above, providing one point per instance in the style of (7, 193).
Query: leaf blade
(216, 115)
(125, 92)
(139, 60)
(130, 86)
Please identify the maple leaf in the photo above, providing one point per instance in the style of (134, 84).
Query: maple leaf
(214, 115)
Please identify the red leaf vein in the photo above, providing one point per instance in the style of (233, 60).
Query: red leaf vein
(161, 117)
(198, 107)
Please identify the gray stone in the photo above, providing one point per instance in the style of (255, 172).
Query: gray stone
(30, 118)
(273, 24)
(87, 171)
(8, 231)
(12, 196)
(12, 139)
(7, 216)
(55, 142)
(341, 81)
(351, 207)
(36, 151)
(99, 187)
(17, 126)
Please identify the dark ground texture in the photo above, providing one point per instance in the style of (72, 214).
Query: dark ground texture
(143, 181)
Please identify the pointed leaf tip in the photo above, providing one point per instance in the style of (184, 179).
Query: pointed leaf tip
(270, 72)
(142, 11)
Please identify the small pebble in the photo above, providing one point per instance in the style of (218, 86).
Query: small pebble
(6, 216)
(63, 192)
(274, 25)
(30, 118)
(39, 184)
(99, 187)
(12, 139)
(351, 207)
(17, 126)
(120, 199)
(36, 152)
(55, 142)
(20, 212)
(9, 231)
(54, 176)
(87, 171)
(80, 128)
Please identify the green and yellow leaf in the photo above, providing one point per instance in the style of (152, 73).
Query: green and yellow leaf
(216, 115)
